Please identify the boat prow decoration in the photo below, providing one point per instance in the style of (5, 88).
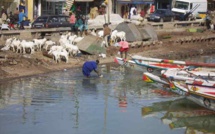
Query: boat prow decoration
(151, 78)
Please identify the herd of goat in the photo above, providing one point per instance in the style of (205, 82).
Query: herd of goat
(65, 47)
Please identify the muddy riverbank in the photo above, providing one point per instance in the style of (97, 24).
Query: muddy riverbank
(171, 45)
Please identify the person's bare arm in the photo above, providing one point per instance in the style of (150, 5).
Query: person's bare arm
(98, 73)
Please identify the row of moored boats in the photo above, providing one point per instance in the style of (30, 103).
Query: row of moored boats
(195, 81)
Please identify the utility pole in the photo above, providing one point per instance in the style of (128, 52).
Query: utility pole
(108, 6)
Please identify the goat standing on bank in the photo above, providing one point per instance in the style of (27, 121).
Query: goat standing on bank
(39, 42)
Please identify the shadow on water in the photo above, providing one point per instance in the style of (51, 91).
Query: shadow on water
(120, 102)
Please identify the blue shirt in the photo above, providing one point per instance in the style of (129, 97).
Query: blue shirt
(88, 67)
(21, 17)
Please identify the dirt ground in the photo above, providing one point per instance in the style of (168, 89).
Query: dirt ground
(13, 65)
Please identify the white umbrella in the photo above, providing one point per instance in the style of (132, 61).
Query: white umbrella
(69, 4)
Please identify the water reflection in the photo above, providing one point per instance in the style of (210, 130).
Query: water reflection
(89, 84)
(182, 113)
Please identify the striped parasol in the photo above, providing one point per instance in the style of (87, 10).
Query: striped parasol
(69, 4)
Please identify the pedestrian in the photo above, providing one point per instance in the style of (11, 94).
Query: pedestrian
(90, 66)
(80, 24)
(21, 19)
(208, 20)
(123, 49)
(72, 21)
(16, 14)
(106, 35)
(133, 11)
(142, 13)
(3, 11)
(85, 22)
(12, 21)
(4, 17)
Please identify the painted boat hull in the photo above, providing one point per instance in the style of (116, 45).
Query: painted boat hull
(174, 62)
(202, 99)
(130, 64)
(155, 65)
(146, 66)
(183, 75)
(151, 65)
(178, 87)
(151, 78)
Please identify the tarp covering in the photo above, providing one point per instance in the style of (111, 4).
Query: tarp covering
(148, 32)
(92, 45)
(132, 32)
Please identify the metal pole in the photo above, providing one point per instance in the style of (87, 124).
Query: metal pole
(108, 6)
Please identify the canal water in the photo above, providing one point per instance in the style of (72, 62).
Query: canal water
(65, 102)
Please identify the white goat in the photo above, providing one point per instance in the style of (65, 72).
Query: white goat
(64, 54)
(16, 43)
(71, 38)
(27, 44)
(73, 50)
(49, 43)
(58, 54)
(8, 41)
(121, 35)
(103, 43)
(93, 32)
(63, 41)
(101, 33)
(113, 35)
(8, 44)
(64, 36)
(55, 48)
(39, 42)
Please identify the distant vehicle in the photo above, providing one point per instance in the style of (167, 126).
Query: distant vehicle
(4, 27)
(51, 21)
(161, 15)
(183, 8)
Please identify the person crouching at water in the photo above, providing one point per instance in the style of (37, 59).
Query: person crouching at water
(90, 66)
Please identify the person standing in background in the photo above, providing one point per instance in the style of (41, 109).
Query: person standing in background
(107, 33)
(3, 14)
(3, 11)
(16, 14)
(133, 11)
(123, 48)
(12, 21)
(142, 13)
(72, 21)
(21, 19)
